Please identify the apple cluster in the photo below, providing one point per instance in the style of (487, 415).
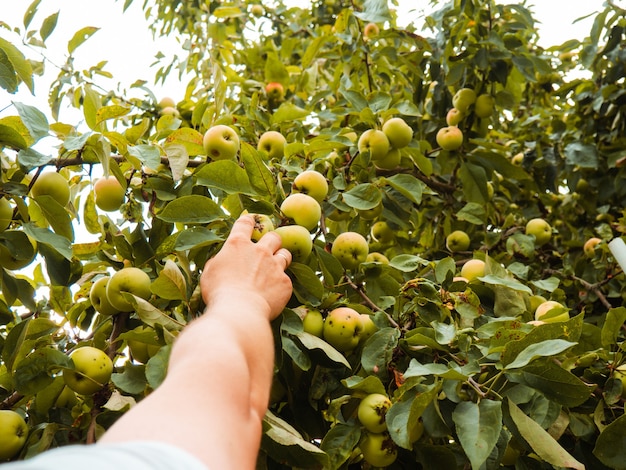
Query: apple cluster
(384, 145)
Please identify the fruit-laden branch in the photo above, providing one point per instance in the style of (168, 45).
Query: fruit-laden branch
(64, 162)
(369, 301)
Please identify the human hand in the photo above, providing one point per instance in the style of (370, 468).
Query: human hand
(248, 270)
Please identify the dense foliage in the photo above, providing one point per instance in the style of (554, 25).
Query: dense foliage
(473, 380)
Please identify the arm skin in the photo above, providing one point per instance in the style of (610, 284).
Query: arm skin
(216, 392)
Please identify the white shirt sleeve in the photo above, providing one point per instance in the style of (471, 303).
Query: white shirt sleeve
(141, 455)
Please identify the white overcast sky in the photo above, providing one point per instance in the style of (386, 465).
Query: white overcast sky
(124, 39)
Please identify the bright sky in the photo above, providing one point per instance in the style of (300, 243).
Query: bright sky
(124, 39)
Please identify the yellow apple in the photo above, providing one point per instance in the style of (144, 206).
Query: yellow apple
(375, 257)
(167, 102)
(52, 184)
(454, 117)
(381, 232)
(221, 142)
(473, 269)
(370, 214)
(457, 241)
(540, 229)
(257, 10)
(129, 280)
(390, 161)
(297, 240)
(92, 370)
(99, 299)
(342, 328)
(372, 410)
(302, 209)
(13, 434)
(141, 351)
(534, 301)
(313, 322)
(449, 138)
(311, 182)
(375, 142)
(484, 106)
(109, 193)
(378, 449)
(351, 249)
(6, 213)
(368, 327)
(170, 111)
(551, 311)
(398, 132)
(590, 246)
(463, 99)
(262, 225)
(273, 144)
(371, 30)
(517, 159)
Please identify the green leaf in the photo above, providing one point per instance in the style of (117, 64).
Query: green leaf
(474, 180)
(225, 175)
(195, 237)
(170, 284)
(110, 112)
(191, 139)
(8, 77)
(609, 448)
(407, 185)
(30, 12)
(541, 442)
(259, 174)
(312, 342)
(581, 155)
(615, 320)
(378, 351)
(31, 158)
(132, 380)
(473, 213)
(416, 369)
(36, 371)
(376, 11)
(408, 263)
(156, 368)
(363, 196)
(14, 134)
(507, 282)
(366, 385)
(406, 412)
(91, 105)
(58, 218)
(553, 381)
(288, 112)
(178, 159)
(478, 426)
(551, 347)
(80, 37)
(306, 285)
(48, 25)
(151, 315)
(549, 285)
(339, 443)
(194, 209)
(21, 66)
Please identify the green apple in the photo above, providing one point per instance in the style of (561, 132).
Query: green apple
(457, 241)
(351, 249)
(382, 232)
(337, 215)
(170, 111)
(52, 184)
(551, 311)
(275, 91)
(534, 301)
(378, 449)
(454, 117)
(313, 322)
(449, 138)
(13, 434)
(398, 132)
(589, 248)
(390, 161)
(221, 142)
(342, 329)
(620, 373)
(375, 257)
(370, 214)
(66, 399)
(484, 106)
(109, 193)
(463, 99)
(92, 370)
(302, 209)
(262, 225)
(473, 269)
(99, 299)
(23, 252)
(297, 240)
(517, 159)
(140, 351)
(166, 102)
(311, 182)
(375, 142)
(257, 10)
(127, 280)
(372, 411)
(540, 229)
(368, 327)
(273, 144)
(371, 30)
(6, 213)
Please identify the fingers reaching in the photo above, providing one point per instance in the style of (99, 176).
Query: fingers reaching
(285, 255)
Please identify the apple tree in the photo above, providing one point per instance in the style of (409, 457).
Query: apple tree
(449, 193)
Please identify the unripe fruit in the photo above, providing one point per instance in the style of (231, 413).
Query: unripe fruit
(109, 194)
(590, 246)
(92, 370)
(381, 232)
(450, 138)
(351, 249)
(398, 132)
(540, 229)
(52, 184)
(297, 240)
(127, 280)
(342, 329)
(99, 299)
(371, 30)
(473, 269)
(221, 142)
(6, 214)
(311, 182)
(457, 241)
(262, 225)
(454, 117)
(463, 99)
(544, 308)
(302, 209)
(484, 106)
(273, 143)
(372, 411)
(313, 322)
(375, 142)
(13, 434)
(378, 449)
